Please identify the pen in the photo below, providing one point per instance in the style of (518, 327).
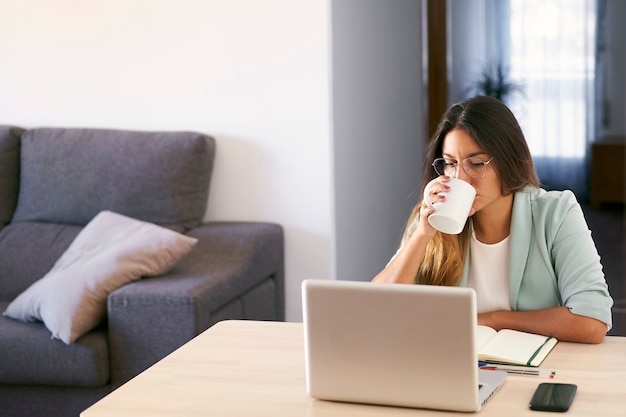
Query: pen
(521, 371)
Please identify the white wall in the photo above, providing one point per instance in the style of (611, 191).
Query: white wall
(256, 74)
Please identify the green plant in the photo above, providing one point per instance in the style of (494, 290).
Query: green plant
(494, 81)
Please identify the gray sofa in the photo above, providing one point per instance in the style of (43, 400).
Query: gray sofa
(53, 181)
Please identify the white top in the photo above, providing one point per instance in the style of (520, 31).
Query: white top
(489, 274)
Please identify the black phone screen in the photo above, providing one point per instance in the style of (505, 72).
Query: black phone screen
(553, 397)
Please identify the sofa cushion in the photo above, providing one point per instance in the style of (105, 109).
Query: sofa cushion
(112, 250)
(70, 175)
(28, 251)
(9, 171)
(29, 356)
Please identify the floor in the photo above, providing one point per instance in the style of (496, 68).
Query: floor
(608, 227)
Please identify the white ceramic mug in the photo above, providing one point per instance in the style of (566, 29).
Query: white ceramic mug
(450, 215)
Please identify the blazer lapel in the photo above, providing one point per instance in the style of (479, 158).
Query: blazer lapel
(519, 243)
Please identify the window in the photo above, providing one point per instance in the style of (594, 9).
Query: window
(552, 52)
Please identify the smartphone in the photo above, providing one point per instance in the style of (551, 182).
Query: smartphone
(550, 396)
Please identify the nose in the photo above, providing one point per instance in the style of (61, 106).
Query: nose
(461, 174)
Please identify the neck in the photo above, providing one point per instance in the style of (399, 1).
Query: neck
(492, 224)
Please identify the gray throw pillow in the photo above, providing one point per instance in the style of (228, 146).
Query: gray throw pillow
(112, 250)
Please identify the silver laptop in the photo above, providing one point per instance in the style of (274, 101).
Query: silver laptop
(394, 344)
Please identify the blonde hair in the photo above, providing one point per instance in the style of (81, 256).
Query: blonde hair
(440, 267)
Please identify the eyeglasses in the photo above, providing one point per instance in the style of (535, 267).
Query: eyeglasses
(474, 167)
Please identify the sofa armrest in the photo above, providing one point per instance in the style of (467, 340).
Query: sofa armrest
(150, 318)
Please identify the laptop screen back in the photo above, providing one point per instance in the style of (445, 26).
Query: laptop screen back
(391, 344)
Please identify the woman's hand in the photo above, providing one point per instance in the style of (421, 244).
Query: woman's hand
(403, 267)
(436, 194)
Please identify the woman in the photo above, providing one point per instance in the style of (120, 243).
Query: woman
(527, 252)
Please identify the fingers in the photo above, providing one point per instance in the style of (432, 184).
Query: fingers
(423, 227)
(437, 192)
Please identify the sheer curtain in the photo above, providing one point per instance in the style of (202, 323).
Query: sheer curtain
(552, 54)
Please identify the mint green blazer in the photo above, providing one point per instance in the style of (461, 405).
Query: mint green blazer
(554, 261)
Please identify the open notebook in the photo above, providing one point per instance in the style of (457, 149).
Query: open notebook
(394, 344)
(512, 347)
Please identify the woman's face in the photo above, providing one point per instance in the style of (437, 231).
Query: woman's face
(459, 145)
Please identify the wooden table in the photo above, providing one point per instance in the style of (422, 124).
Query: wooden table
(247, 368)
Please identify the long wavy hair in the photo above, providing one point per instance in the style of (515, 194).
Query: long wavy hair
(496, 130)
